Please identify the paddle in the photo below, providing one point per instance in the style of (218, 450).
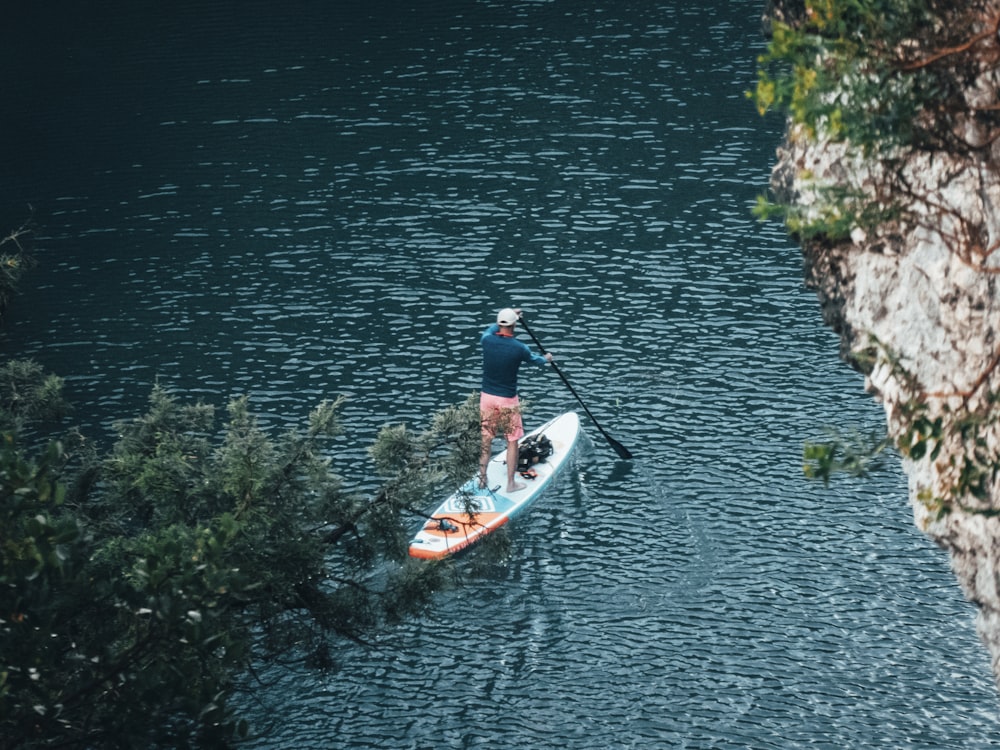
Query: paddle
(620, 449)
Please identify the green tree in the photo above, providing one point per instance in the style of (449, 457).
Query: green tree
(139, 585)
(131, 606)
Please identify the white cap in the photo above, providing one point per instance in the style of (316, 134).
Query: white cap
(507, 316)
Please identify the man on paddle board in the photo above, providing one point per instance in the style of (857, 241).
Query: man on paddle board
(499, 406)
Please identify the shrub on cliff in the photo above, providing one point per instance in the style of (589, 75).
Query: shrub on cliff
(887, 79)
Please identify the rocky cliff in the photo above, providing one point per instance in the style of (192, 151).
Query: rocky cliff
(914, 294)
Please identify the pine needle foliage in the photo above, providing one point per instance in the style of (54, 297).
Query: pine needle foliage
(195, 551)
(15, 260)
(29, 395)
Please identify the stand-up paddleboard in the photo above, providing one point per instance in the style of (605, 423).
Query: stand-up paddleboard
(453, 527)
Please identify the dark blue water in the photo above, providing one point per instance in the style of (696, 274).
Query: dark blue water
(299, 200)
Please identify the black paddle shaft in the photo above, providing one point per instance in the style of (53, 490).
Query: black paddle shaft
(620, 449)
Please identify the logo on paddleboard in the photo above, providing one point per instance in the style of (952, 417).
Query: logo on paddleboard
(460, 504)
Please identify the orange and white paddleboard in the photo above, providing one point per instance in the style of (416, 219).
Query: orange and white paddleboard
(470, 513)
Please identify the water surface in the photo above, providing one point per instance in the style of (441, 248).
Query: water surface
(296, 201)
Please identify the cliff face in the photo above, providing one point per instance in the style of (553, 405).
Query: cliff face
(915, 302)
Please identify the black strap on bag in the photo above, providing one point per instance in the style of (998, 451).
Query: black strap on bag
(533, 450)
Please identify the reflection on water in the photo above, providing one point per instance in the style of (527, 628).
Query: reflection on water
(337, 203)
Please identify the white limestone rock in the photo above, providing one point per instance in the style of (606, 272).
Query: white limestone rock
(923, 292)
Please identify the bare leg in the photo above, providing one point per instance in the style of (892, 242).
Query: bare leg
(484, 459)
(512, 486)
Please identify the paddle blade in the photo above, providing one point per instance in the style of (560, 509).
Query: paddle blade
(620, 449)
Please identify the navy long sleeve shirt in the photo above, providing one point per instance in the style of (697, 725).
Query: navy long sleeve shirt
(502, 358)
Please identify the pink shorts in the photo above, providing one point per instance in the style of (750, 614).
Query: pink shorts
(500, 415)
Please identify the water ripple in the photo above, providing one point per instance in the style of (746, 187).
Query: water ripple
(339, 209)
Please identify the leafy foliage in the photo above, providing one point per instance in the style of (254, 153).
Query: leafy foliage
(886, 79)
(839, 70)
(851, 453)
(970, 463)
(128, 614)
(958, 441)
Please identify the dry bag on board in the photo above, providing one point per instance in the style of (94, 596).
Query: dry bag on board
(533, 450)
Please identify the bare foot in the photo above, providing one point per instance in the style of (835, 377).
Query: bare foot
(516, 487)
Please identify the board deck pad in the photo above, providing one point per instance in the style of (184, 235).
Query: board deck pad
(470, 513)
